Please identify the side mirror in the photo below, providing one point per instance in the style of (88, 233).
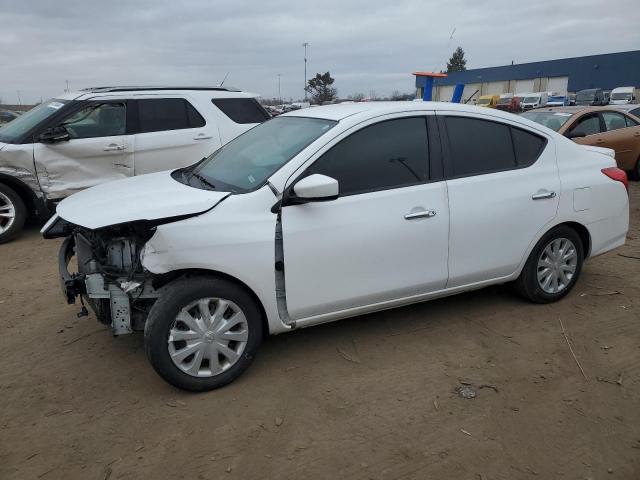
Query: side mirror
(54, 134)
(575, 134)
(314, 188)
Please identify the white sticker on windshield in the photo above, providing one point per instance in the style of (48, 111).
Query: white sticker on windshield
(55, 105)
(251, 179)
(563, 114)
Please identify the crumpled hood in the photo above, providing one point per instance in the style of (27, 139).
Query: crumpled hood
(145, 197)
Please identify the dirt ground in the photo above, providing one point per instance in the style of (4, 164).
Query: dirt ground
(371, 397)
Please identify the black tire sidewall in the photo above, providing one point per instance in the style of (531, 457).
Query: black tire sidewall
(529, 281)
(21, 214)
(173, 298)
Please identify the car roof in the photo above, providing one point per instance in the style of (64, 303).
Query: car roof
(215, 91)
(371, 109)
(576, 109)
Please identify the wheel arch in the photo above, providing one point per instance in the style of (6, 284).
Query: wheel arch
(24, 192)
(583, 233)
(160, 280)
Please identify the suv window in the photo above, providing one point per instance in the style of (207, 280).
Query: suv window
(589, 125)
(389, 154)
(614, 120)
(97, 120)
(161, 114)
(241, 110)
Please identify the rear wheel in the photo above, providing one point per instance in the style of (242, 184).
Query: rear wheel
(202, 333)
(13, 213)
(553, 267)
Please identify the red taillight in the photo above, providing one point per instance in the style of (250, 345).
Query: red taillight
(614, 173)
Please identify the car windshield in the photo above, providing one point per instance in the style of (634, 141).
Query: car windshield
(531, 99)
(552, 120)
(25, 122)
(249, 160)
(504, 101)
(585, 97)
(621, 96)
(484, 101)
(556, 99)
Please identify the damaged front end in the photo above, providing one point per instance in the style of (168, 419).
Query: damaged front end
(109, 276)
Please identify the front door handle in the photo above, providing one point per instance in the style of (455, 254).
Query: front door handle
(420, 214)
(112, 147)
(543, 195)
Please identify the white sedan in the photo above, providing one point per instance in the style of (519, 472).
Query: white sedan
(331, 212)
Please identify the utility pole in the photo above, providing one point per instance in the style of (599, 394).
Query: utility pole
(19, 99)
(67, 90)
(305, 45)
(279, 94)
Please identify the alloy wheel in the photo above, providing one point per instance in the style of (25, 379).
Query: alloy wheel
(7, 213)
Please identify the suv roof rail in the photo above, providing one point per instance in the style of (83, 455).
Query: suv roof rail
(139, 88)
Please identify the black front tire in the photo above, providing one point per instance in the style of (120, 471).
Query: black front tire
(527, 284)
(175, 296)
(20, 212)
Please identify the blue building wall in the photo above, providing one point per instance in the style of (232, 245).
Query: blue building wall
(606, 71)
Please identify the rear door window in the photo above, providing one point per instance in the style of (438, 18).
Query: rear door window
(161, 114)
(613, 121)
(479, 146)
(242, 110)
(589, 125)
(528, 146)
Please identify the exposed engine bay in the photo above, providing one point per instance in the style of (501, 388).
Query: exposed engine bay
(110, 276)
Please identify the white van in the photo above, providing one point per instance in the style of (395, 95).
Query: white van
(534, 100)
(623, 95)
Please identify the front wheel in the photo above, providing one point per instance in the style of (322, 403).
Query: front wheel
(202, 333)
(553, 267)
(13, 213)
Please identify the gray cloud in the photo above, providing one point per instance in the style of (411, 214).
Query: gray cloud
(372, 45)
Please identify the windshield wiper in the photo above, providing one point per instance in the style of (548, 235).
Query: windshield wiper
(203, 180)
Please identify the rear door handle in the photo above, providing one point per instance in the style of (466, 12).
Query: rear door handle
(202, 136)
(112, 147)
(420, 214)
(543, 195)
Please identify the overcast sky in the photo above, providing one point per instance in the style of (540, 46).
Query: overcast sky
(366, 45)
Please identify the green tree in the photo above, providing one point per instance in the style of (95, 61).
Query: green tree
(320, 88)
(457, 62)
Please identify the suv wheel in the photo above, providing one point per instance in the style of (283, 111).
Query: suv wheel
(202, 333)
(13, 213)
(553, 267)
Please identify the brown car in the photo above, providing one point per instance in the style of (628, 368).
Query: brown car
(598, 126)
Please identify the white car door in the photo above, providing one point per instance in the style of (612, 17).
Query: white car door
(503, 186)
(384, 238)
(98, 150)
(171, 133)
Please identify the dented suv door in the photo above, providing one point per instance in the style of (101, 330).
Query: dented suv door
(98, 150)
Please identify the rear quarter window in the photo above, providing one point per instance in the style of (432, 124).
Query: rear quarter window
(241, 110)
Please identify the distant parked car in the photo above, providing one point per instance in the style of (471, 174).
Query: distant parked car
(331, 212)
(558, 101)
(509, 103)
(590, 97)
(96, 135)
(572, 98)
(6, 116)
(534, 100)
(489, 101)
(632, 108)
(623, 95)
(597, 126)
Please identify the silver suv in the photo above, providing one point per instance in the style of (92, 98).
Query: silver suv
(96, 135)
